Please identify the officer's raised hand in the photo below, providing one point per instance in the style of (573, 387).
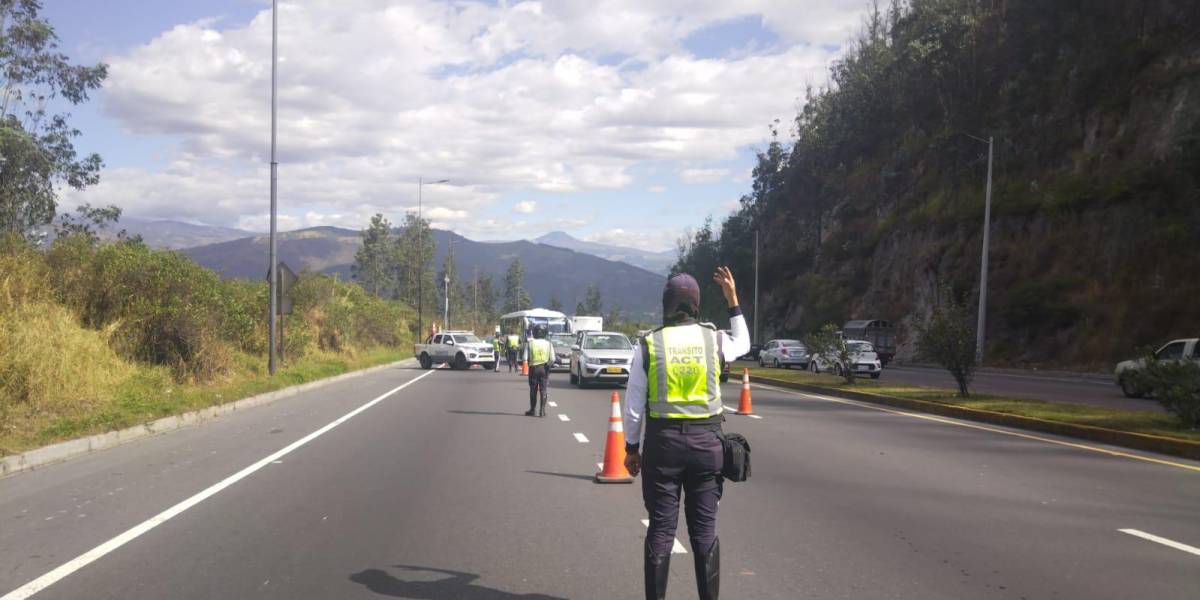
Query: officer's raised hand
(724, 278)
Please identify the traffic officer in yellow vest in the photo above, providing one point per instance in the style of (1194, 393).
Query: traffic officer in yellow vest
(514, 342)
(498, 348)
(538, 354)
(674, 390)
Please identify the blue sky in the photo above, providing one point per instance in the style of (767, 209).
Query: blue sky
(610, 120)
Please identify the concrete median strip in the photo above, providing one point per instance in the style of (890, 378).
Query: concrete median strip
(61, 451)
(1137, 441)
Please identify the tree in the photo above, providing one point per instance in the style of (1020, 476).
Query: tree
(487, 299)
(1176, 385)
(829, 346)
(515, 296)
(411, 263)
(555, 304)
(450, 271)
(948, 339)
(36, 147)
(89, 222)
(593, 304)
(372, 260)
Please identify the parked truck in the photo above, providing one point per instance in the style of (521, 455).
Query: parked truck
(1187, 349)
(579, 324)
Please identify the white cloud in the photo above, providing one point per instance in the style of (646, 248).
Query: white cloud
(525, 207)
(497, 97)
(703, 175)
(651, 240)
(657, 189)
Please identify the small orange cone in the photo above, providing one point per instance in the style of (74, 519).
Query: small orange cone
(745, 407)
(614, 448)
(525, 368)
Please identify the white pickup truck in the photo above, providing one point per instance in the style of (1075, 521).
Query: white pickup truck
(1175, 350)
(459, 349)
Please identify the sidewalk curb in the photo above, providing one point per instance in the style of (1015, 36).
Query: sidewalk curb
(1137, 441)
(46, 455)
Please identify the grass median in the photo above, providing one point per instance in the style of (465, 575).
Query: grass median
(1141, 422)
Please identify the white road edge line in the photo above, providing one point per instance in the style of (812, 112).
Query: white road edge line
(552, 404)
(677, 548)
(562, 417)
(45, 581)
(979, 426)
(582, 439)
(1162, 540)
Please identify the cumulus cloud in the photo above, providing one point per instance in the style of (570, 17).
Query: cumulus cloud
(525, 207)
(561, 96)
(703, 175)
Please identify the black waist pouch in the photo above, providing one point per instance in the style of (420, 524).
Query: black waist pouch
(737, 457)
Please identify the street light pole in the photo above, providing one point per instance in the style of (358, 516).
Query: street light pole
(754, 336)
(446, 315)
(420, 239)
(274, 272)
(981, 318)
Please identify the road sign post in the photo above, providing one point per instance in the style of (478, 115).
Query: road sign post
(281, 301)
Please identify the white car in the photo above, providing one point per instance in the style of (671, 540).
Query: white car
(601, 357)
(862, 356)
(783, 353)
(459, 349)
(1175, 350)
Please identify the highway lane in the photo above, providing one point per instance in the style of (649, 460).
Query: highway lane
(1092, 391)
(444, 490)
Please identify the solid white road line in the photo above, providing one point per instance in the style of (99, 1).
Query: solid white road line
(562, 417)
(552, 404)
(981, 427)
(98, 552)
(578, 436)
(1162, 540)
(675, 549)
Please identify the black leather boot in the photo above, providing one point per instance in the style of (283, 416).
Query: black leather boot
(542, 409)
(708, 571)
(657, 567)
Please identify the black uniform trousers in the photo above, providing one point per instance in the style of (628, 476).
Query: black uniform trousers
(512, 359)
(682, 455)
(539, 382)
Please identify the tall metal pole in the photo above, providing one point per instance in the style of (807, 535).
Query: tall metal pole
(274, 185)
(754, 336)
(983, 269)
(420, 239)
(446, 314)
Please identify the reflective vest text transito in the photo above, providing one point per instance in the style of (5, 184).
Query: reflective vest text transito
(683, 371)
(540, 352)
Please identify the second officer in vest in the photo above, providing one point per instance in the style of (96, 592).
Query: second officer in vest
(675, 392)
(539, 354)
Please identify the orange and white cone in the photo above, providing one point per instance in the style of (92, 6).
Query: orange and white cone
(525, 368)
(745, 406)
(614, 470)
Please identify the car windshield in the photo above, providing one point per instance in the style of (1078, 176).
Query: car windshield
(606, 342)
(561, 341)
(860, 347)
(467, 339)
(791, 344)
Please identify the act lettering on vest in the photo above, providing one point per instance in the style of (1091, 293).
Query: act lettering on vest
(683, 371)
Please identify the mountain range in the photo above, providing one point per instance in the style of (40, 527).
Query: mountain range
(656, 262)
(550, 271)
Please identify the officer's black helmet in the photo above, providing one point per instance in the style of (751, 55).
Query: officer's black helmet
(539, 331)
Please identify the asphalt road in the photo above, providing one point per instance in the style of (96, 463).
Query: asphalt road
(1086, 390)
(443, 490)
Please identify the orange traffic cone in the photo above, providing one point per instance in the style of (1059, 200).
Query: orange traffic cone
(614, 448)
(525, 368)
(745, 407)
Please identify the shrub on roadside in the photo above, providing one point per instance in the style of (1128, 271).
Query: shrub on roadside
(1176, 386)
(948, 339)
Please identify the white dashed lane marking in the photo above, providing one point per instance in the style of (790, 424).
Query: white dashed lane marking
(677, 548)
(562, 417)
(1162, 540)
(552, 404)
(582, 439)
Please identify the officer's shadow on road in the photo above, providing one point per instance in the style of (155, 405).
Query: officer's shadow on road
(457, 586)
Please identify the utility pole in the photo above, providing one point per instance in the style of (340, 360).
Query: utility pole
(475, 305)
(754, 336)
(981, 318)
(420, 239)
(273, 269)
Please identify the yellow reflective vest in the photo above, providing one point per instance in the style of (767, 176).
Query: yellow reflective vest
(683, 373)
(540, 352)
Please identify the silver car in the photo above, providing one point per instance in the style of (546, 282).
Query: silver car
(562, 343)
(783, 353)
(601, 357)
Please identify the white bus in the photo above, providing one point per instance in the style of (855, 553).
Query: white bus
(521, 323)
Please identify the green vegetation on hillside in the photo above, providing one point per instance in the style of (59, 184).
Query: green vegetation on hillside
(100, 336)
(877, 204)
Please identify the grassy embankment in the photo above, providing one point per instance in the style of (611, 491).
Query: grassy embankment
(98, 338)
(1143, 422)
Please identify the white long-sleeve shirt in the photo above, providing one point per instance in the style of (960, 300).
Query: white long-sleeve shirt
(731, 347)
